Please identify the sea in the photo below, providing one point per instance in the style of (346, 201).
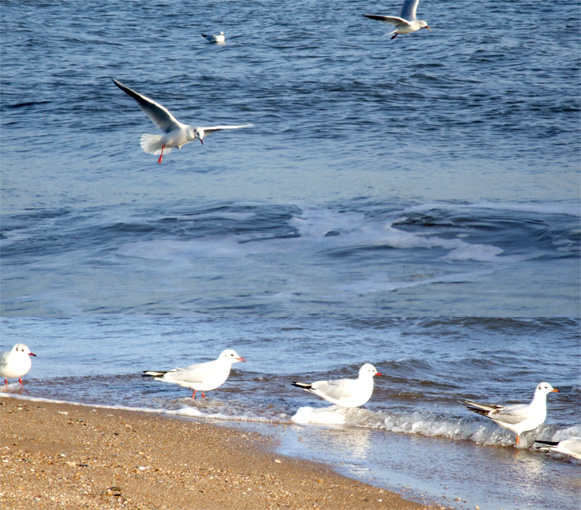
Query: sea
(413, 203)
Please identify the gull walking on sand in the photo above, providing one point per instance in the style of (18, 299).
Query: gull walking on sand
(175, 134)
(15, 363)
(201, 377)
(517, 418)
(571, 447)
(215, 38)
(345, 392)
(406, 23)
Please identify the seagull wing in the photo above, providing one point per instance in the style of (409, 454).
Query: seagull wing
(337, 390)
(197, 373)
(512, 414)
(158, 114)
(408, 9)
(390, 20)
(219, 128)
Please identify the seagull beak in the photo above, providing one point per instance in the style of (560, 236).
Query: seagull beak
(429, 29)
(555, 390)
(32, 354)
(378, 374)
(240, 359)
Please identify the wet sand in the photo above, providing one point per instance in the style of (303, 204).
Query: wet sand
(67, 456)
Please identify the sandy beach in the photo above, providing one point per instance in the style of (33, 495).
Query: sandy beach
(69, 456)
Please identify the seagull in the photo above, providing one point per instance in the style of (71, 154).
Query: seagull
(407, 22)
(571, 446)
(175, 134)
(215, 38)
(203, 376)
(15, 363)
(517, 418)
(345, 392)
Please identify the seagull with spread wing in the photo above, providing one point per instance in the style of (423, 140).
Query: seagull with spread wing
(175, 134)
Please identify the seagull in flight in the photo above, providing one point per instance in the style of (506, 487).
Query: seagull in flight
(406, 23)
(175, 134)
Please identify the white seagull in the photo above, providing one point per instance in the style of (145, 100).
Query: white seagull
(407, 22)
(15, 363)
(517, 418)
(203, 376)
(215, 38)
(571, 446)
(175, 134)
(345, 392)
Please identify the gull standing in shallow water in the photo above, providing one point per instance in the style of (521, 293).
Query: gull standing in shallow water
(203, 376)
(175, 134)
(407, 22)
(215, 38)
(15, 363)
(345, 392)
(517, 418)
(571, 447)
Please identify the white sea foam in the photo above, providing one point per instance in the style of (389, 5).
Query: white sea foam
(427, 424)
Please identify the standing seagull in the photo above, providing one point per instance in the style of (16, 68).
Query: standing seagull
(15, 363)
(407, 22)
(517, 418)
(203, 376)
(215, 38)
(571, 447)
(175, 134)
(345, 392)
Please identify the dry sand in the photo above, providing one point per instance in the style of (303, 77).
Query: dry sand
(72, 457)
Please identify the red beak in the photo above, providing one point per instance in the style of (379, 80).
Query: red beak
(31, 354)
(241, 359)
(555, 390)
(378, 374)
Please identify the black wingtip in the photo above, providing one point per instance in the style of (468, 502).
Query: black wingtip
(550, 443)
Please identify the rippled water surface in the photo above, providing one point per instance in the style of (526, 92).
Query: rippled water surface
(413, 203)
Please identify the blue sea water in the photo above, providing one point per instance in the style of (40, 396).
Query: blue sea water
(414, 203)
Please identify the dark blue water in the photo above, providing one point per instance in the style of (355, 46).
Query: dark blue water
(413, 203)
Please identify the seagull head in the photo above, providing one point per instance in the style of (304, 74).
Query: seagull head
(546, 388)
(368, 370)
(424, 24)
(199, 134)
(231, 356)
(23, 349)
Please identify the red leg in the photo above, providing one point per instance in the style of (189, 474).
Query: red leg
(159, 161)
(517, 438)
(20, 381)
(6, 382)
(393, 36)
(203, 396)
(194, 395)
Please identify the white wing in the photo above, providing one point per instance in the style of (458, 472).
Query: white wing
(390, 20)
(408, 9)
(219, 128)
(337, 390)
(158, 114)
(194, 373)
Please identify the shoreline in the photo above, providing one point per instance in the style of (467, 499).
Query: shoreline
(60, 455)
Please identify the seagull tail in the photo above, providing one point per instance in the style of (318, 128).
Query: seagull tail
(153, 373)
(483, 409)
(304, 386)
(152, 144)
